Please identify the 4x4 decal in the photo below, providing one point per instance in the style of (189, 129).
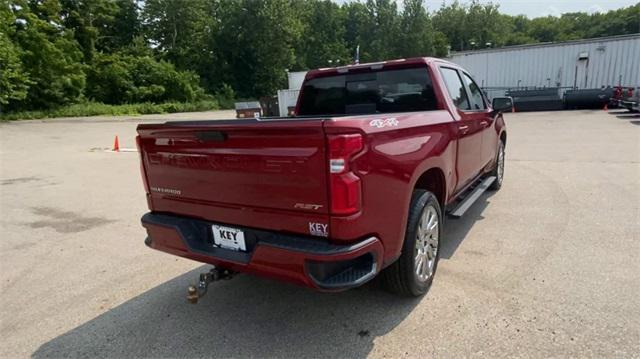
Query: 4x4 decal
(384, 122)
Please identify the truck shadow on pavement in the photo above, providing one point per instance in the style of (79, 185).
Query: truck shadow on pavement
(248, 316)
(456, 230)
(243, 317)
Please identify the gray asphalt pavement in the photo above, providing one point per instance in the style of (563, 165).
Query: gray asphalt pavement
(547, 266)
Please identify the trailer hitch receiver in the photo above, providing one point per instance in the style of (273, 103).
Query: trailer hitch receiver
(195, 292)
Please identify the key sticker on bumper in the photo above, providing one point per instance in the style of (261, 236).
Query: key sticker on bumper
(318, 229)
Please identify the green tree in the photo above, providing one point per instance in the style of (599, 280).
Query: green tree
(356, 28)
(450, 20)
(416, 34)
(322, 42)
(88, 19)
(123, 29)
(179, 30)
(441, 47)
(49, 54)
(473, 25)
(615, 22)
(382, 29)
(518, 30)
(485, 25)
(184, 33)
(14, 81)
(256, 40)
(544, 29)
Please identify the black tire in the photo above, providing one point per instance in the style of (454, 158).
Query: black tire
(497, 184)
(400, 277)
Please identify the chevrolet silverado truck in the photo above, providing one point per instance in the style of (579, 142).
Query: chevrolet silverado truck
(356, 184)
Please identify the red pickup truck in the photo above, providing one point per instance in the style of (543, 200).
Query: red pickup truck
(356, 184)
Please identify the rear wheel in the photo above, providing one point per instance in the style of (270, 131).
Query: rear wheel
(498, 172)
(412, 274)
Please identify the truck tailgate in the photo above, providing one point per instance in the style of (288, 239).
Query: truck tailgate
(242, 164)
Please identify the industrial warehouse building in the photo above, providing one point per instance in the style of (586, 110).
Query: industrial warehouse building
(580, 64)
(557, 67)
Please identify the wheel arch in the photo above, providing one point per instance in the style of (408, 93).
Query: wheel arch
(434, 181)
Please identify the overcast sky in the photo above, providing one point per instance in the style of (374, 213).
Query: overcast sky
(542, 7)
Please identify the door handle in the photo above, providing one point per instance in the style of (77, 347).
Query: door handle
(463, 128)
(484, 123)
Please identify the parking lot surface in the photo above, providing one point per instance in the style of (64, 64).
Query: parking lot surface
(547, 266)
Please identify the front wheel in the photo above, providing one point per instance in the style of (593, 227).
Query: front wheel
(498, 172)
(412, 274)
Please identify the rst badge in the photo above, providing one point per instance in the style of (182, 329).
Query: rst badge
(318, 229)
(314, 207)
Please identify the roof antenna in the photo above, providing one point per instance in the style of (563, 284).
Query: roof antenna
(357, 59)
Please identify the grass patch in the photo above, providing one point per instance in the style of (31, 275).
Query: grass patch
(98, 108)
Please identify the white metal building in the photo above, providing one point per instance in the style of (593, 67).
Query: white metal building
(584, 64)
(288, 98)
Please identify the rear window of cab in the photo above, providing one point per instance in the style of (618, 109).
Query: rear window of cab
(383, 91)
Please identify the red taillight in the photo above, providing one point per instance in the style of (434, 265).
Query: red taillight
(142, 171)
(344, 184)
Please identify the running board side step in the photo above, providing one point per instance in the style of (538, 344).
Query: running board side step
(470, 199)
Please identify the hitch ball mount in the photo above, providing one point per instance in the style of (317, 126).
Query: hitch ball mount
(215, 274)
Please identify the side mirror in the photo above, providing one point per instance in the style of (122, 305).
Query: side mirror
(504, 104)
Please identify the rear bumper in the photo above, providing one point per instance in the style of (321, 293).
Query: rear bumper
(308, 261)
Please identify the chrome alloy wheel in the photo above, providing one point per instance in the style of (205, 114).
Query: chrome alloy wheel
(427, 240)
(500, 171)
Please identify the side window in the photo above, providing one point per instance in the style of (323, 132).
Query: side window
(455, 88)
(475, 93)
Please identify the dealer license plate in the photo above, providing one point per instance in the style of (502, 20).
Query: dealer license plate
(228, 238)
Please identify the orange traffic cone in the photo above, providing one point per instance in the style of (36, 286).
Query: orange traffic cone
(606, 107)
(116, 145)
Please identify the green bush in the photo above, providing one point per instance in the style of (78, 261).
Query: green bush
(226, 97)
(97, 108)
(120, 78)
